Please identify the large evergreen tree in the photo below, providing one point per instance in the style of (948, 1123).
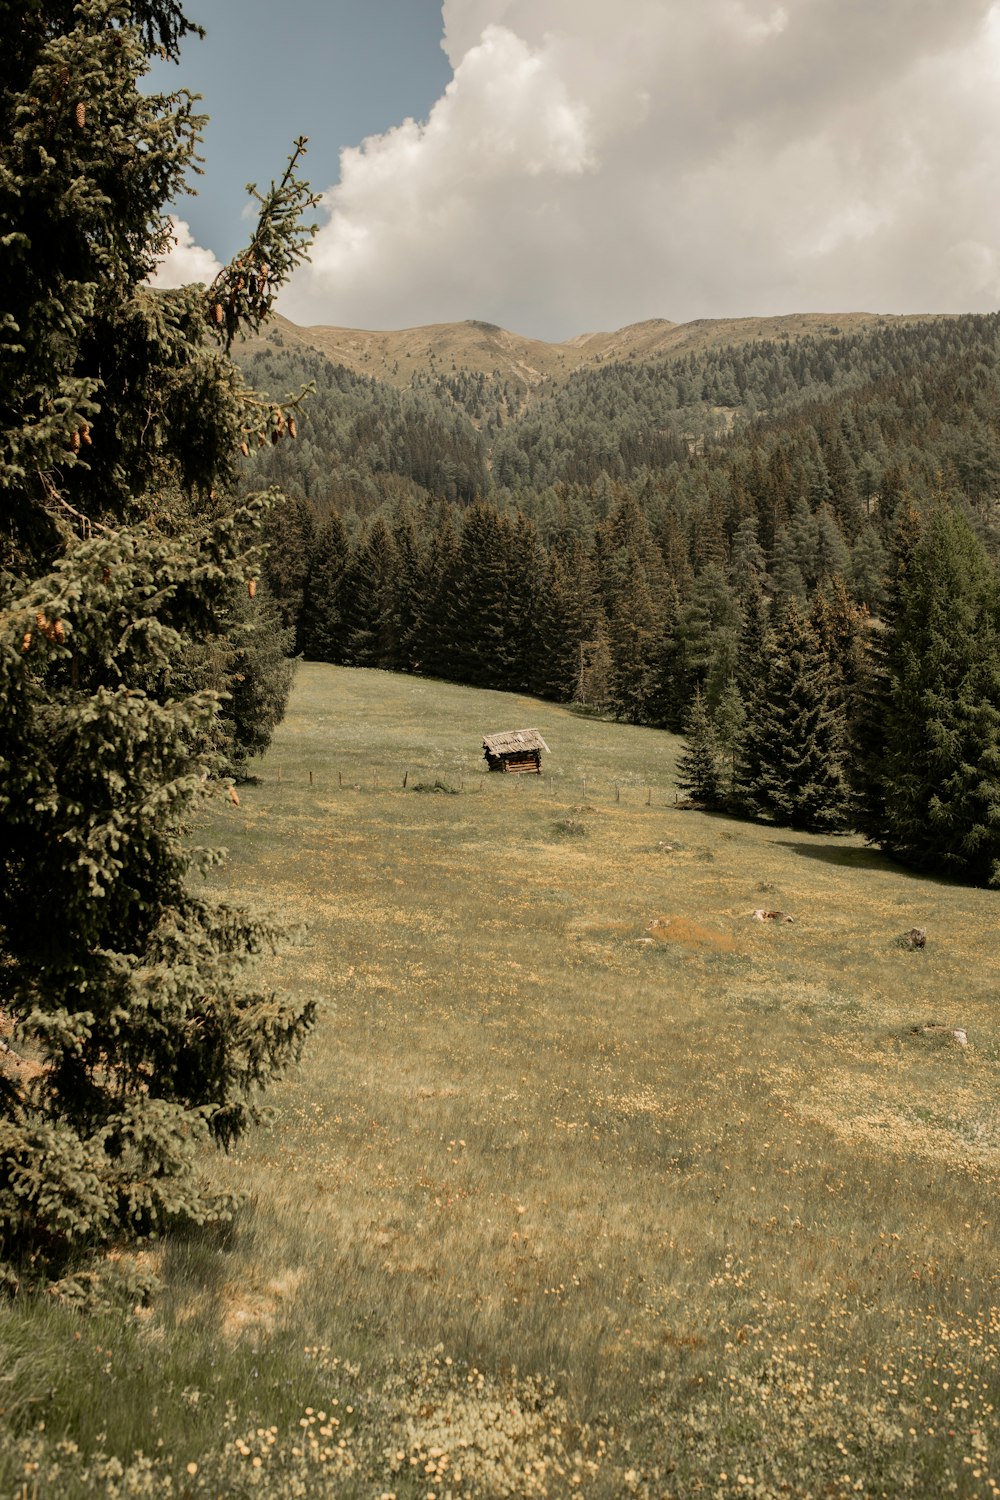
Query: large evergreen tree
(321, 625)
(931, 778)
(488, 627)
(667, 692)
(729, 721)
(565, 614)
(367, 595)
(257, 676)
(408, 586)
(131, 1025)
(869, 725)
(793, 746)
(698, 771)
(290, 531)
(635, 636)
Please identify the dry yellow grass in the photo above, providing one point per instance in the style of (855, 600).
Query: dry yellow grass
(590, 1183)
(532, 1136)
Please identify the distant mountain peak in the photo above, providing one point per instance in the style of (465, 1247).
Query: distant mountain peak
(477, 346)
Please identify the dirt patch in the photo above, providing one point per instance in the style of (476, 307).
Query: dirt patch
(691, 934)
(260, 1308)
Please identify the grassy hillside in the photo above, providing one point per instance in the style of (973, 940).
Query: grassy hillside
(482, 348)
(589, 1182)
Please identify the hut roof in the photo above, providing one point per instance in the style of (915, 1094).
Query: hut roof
(513, 740)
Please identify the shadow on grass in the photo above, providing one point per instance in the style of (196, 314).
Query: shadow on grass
(851, 858)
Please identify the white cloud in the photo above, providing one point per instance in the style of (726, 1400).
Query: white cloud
(594, 164)
(185, 262)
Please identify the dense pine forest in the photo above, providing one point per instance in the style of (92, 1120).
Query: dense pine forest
(786, 549)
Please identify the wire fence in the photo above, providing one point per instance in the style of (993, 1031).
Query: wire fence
(416, 777)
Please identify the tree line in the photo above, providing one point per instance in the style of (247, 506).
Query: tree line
(866, 395)
(748, 590)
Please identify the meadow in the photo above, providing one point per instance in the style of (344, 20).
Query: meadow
(588, 1183)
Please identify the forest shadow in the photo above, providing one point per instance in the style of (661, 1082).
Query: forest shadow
(848, 858)
(868, 859)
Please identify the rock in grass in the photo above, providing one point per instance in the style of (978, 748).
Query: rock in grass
(945, 1033)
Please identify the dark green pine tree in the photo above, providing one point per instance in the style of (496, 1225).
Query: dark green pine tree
(367, 600)
(409, 581)
(698, 771)
(470, 626)
(831, 557)
(432, 647)
(257, 676)
(843, 630)
(868, 730)
(321, 626)
(844, 499)
(136, 1028)
(755, 642)
(869, 567)
(593, 683)
(793, 749)
(709, 622)
(932, 779)
(525, 575)
(634, 637)
(488, 602)
(290, 531)
(565, 622)
(754, 656)
(668, 694)
(748, 560)
(730, 720)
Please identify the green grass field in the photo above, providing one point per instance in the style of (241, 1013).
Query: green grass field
(589, 1183)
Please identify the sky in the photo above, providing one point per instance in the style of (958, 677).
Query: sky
(563, 166)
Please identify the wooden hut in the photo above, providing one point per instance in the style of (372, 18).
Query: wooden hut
(516, 750)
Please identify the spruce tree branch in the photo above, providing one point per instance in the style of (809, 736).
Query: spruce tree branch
(242, 295)
(53, 494)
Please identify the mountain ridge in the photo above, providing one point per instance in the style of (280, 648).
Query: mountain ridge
(480, 347)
